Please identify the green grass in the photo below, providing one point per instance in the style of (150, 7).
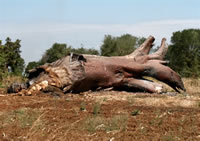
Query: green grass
(96, 108)
(83, 106)
(135, 112)
(198, 104)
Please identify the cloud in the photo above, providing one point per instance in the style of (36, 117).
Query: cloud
(36, 38)
(161, 29)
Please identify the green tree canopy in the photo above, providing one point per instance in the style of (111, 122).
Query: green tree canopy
(119, 46)
(10, 58)
(58, 51)
(31, 65)
(184, 52)
(83, 50)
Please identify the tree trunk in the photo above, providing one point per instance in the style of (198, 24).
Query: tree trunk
(78, 73)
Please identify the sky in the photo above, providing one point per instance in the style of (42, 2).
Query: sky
(41, 23)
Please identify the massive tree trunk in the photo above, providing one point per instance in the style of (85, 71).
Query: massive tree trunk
(78, 73)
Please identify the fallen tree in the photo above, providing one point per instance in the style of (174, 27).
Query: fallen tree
(77, 73)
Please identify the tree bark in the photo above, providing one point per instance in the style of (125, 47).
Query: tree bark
(78, 73)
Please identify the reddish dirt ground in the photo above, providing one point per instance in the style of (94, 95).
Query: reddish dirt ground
(105, 115)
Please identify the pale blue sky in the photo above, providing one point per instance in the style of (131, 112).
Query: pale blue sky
(40, 23)
(97, 11)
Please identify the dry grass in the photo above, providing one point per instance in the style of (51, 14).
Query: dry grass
(97, 108)
(103, 115)
(192, 86)
(7, 81)
(22, 117)
(190, 98)
(100, 123)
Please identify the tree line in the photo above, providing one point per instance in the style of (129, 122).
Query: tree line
(183, 53)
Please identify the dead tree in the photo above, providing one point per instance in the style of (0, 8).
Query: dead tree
(78, 73)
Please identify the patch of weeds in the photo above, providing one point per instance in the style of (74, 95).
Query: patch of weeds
(1, 85)
(198, 104)
(117, 122)
(182, 120)
(135, 112)
(197, 94)
(130, 99)
(193, 124)
(91, 123)
(180, 130)
(105, 99)
(8, 79)
(158, 120)
(68, 99)
(143, 130)
(142, 96)
(168, 138)
(96, 108)
(83, 106)
(76, 111)
(194, 83)
(24, 117)
(6, 119)
(98, 123)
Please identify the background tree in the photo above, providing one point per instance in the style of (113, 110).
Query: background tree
(119, 46)
(58, 51)
(14, 61)
(2, 61)
(31, 65)
(10, 58)
(184, 52)
(83, 50)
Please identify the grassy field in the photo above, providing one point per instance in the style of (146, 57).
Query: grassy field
(103, 115)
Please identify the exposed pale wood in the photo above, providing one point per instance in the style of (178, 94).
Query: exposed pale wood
(144, 48)
(161, 52)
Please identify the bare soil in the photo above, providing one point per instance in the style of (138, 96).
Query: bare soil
(103, 115)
